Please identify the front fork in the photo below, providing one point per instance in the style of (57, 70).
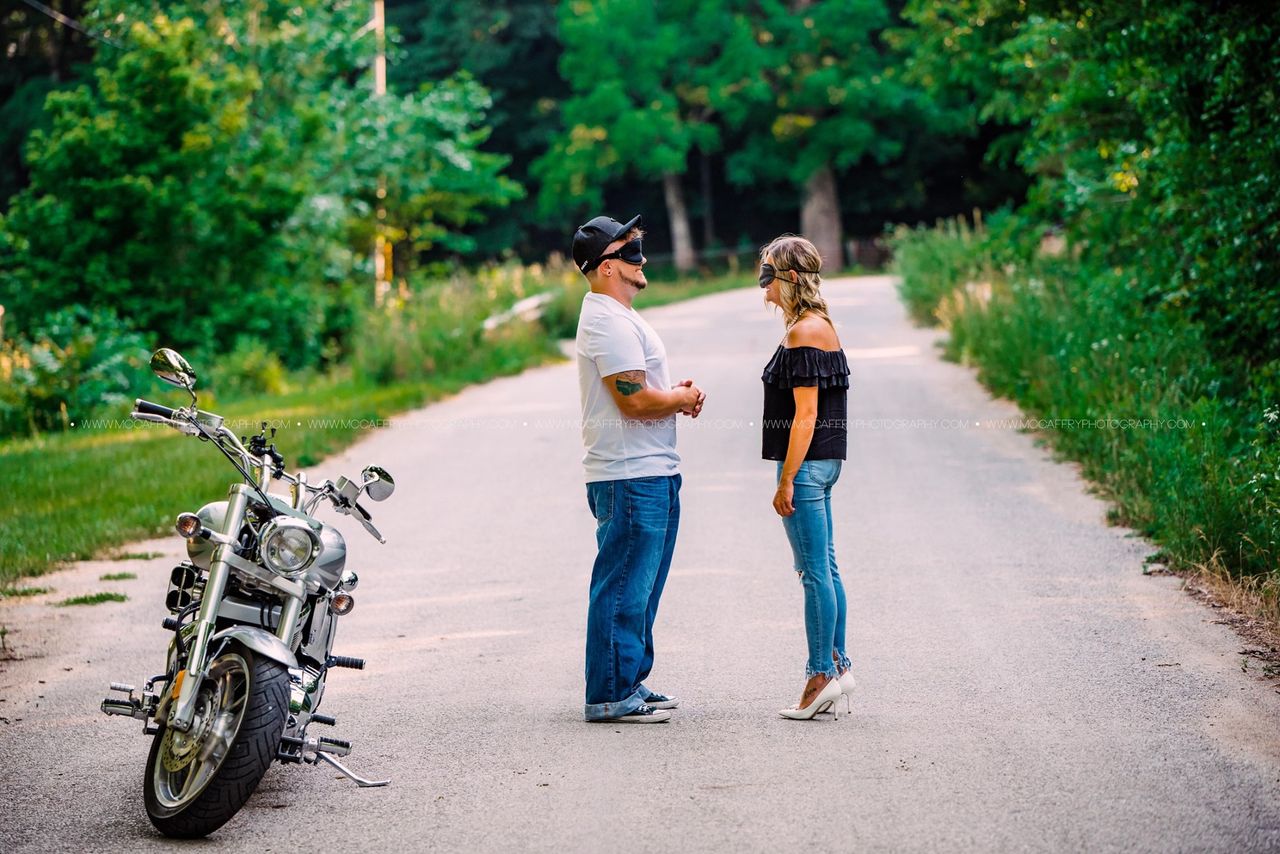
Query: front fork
(183, 709)
(187, 686)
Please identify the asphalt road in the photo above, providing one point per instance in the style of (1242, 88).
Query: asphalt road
(1023, 687)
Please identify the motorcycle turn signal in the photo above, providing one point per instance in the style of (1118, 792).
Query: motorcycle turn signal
(189, 526)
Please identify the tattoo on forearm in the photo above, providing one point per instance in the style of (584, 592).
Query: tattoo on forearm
(629, 383)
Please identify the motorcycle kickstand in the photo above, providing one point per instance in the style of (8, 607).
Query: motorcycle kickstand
(351, 775)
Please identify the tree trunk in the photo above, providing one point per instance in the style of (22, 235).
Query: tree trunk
(678, 213)
(57, 44)
(820, 218)
(708, 213)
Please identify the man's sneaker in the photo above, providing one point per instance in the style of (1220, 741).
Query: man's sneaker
(642, 715)
(661, 701)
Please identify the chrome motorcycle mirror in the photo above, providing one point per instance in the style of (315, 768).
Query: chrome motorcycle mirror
(378, 483)
(169, 366)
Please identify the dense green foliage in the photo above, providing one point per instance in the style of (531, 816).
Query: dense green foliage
(217, 179)
(80, 361)
(511, 48)
(639, 106)
(712, 92)
(1153, 136)
(213, 176)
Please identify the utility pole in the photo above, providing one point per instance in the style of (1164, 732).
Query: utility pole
(381, 248)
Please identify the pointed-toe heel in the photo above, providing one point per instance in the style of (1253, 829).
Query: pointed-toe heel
(826, 700)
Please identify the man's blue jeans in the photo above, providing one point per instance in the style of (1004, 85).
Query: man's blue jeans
(814, 547)
(636, 525)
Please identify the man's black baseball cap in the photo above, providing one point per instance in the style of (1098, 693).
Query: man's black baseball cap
(590, 240)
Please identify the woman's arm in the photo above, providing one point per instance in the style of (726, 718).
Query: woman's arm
(809, 332)
(802, 427)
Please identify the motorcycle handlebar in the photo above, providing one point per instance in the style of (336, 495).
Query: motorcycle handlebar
(149, 411)
(146, 407)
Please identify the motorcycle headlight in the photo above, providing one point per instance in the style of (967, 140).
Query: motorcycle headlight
(288, 545)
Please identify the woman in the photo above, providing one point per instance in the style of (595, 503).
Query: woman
(806, 386)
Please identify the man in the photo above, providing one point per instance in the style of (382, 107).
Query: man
(632, 470)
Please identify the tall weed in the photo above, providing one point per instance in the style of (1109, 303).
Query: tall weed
(1186, 455)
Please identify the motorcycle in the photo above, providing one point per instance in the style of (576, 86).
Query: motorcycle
(253, 613)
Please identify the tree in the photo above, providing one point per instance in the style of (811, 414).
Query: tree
(41, 55)
(953, 53)
(509, 47)
(811, 87)
(219, 179)
(1153, 136)
(637, 108)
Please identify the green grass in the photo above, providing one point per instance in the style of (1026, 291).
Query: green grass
(93, 599)
(932, 264)
(118, 576)
(87, 491)
(135, 556)
(23, 591)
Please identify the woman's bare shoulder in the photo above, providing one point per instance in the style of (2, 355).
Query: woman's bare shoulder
(813, 332)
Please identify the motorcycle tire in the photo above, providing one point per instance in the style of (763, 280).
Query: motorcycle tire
(196, 781)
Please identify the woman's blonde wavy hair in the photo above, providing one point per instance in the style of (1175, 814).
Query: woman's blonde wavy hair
(792, 252)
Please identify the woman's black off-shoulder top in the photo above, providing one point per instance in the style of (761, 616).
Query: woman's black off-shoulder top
(806, 366)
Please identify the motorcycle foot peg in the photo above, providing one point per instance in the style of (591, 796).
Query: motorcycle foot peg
(345, 661)
(337, 743)
(290, 749)
(122, 688)
(324, 719)
(123, 708)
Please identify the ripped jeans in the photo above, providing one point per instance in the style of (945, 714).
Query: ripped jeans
(813, 545)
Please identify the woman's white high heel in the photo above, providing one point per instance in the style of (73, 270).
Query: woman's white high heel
(825, 700)
(847, 684)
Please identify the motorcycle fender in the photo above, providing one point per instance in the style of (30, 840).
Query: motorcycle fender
(260, 641)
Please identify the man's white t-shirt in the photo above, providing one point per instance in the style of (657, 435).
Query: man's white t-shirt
(611, 339)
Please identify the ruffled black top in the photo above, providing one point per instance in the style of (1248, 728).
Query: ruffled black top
(806, 366)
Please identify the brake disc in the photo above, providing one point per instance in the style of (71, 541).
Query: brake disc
(179, 748)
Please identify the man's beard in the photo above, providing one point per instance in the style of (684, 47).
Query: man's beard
(636, 281)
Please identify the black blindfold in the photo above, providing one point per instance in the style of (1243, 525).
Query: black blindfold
(768, 273)
(631, 252)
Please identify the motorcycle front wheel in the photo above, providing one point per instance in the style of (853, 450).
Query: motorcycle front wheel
(197, 780)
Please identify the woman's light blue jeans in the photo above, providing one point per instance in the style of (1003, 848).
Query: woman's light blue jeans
(814, 547)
